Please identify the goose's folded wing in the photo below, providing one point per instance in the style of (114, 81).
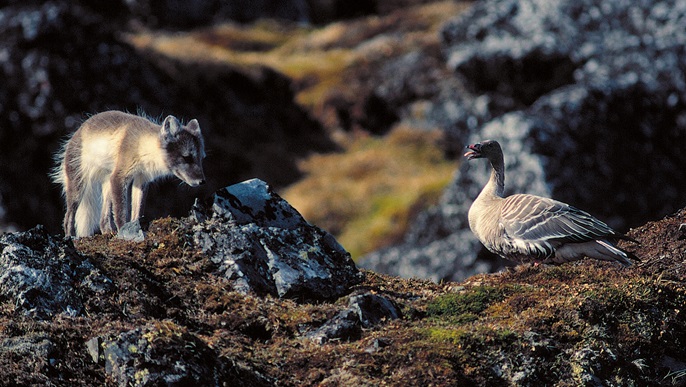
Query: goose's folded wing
(533, 218)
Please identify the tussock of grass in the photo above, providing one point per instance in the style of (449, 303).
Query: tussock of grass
(367, 195)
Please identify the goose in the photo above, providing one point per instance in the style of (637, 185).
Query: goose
(532, 229)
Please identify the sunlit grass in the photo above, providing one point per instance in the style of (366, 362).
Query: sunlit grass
(367, 195)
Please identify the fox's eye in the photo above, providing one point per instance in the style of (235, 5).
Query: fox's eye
(188, 159)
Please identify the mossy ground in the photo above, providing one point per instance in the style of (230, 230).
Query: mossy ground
(551, 325)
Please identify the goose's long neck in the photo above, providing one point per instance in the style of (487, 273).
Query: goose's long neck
(496, 184)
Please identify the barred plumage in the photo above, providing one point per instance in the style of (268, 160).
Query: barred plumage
(528, 228)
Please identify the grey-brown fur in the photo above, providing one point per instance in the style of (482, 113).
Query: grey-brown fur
(107, 164)
(528, 228)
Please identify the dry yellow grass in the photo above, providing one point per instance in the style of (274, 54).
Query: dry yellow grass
(314, 57)
(367, 195)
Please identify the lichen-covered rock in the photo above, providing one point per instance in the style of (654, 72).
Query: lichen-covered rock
(371, 309)
(262, 244)
(45, 276)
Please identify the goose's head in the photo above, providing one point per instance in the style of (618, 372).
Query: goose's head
(489, 149)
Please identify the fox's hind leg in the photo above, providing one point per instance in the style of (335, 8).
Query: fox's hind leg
(73, 193)
(88, 212)
(120, 188)
(72, 204)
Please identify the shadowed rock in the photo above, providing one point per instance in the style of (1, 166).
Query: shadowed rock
(364, 311)
(45, 276)
(165, 354)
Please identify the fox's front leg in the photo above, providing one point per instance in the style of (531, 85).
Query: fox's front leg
(121, 198)
(139, 191)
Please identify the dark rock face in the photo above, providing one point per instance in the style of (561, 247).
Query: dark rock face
(61, 61)
(262, 244)
(596, 101)
(180, 14)
(45, 276)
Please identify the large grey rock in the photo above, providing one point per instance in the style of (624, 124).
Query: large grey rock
(262, 244)
(598, 103)
(45, 276)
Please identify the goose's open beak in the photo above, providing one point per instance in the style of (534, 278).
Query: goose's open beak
(474, 152)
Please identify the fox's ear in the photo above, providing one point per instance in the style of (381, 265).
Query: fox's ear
(170, 128)
(194, 127)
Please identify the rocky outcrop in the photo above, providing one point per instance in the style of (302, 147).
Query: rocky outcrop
(364, 311)
(263, 245)
(162, 311)
(596, 96)
(249, 243)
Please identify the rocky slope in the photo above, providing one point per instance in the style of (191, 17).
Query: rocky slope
(245, 293)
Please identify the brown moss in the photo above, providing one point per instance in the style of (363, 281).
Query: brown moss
(554, 325)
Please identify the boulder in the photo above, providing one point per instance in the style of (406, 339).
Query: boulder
(45, 276)
(597, 99)
(263, 245)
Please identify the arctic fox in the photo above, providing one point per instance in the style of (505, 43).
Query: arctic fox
(105, 167)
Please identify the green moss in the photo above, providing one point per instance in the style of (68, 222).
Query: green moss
(464, 307)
